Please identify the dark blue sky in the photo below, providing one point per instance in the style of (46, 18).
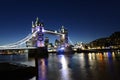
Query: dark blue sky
(86, 20)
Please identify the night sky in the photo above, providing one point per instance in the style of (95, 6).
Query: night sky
(86, 20)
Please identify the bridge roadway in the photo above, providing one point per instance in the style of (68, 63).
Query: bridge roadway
(26, 48)
(23, 48)
(55, 50)
(16, 48)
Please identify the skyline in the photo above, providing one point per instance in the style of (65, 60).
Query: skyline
(85, 20)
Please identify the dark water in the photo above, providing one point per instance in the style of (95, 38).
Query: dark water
(80, 66)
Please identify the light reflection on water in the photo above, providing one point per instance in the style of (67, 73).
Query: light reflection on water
(80, 66)
(41, 69)
(64, 71)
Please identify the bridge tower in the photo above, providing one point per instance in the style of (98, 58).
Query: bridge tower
(38, 38)
(64, 36)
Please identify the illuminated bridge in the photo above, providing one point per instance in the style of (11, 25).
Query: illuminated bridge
(36, 38)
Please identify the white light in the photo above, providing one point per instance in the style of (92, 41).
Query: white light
(55, 31)
(43, 30)
(62, 48)
(38, 29)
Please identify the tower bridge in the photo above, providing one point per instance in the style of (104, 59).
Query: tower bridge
(37, 37)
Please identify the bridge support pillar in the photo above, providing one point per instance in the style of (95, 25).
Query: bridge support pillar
(42, 52)
(38, 52)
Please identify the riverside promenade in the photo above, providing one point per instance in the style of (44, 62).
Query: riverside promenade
(10, 71)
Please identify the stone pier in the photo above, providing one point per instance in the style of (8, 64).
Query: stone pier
(38, 52)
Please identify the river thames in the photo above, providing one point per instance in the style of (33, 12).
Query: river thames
(79, 66)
